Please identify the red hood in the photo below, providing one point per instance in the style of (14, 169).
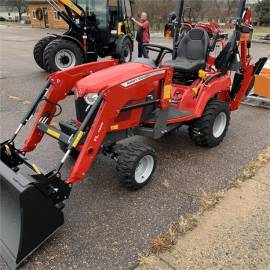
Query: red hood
(109, 77)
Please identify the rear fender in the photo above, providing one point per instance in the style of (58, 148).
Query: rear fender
(67, 37)
(218, 88)
(73, 39)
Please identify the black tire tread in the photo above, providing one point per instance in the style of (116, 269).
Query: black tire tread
(125, 164)
(200, 130)
(51, 47)
(119, 48)
(39, 50)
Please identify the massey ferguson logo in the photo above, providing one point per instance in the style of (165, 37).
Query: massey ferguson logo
(141, 78)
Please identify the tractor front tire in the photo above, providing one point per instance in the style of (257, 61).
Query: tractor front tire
(211, 128)
(40, 48)
(135, 165)
(61, 54)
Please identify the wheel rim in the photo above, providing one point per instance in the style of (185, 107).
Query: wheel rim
(65, 59)
(144, 169)
(219, 124)
(126, 53)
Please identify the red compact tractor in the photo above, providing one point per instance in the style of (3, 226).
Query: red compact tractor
(177, 27)
(113, 102)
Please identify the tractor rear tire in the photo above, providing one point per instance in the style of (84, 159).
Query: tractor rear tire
(124, 50)
(135, 165)
(39, 50)
(211, 128)
(61, 54)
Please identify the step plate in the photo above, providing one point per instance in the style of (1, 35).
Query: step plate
(172, 114)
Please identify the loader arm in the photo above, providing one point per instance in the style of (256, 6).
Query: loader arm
(68, 4)
(72, 6)
(61, 83)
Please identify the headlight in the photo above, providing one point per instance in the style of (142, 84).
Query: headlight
(91, 98)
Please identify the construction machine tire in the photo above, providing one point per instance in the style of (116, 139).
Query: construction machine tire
(39, 50)
(135, 165)
(61, 54)
(124, 50)
(211, 128)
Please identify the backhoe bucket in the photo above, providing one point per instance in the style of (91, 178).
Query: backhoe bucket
(27, 216)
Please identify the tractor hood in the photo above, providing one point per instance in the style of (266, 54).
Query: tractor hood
(109, 77)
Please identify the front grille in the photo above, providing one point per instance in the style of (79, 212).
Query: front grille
(80, 106)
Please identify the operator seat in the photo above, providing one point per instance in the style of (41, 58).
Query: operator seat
(192, 52)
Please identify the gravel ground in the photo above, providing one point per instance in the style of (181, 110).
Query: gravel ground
(106, 226)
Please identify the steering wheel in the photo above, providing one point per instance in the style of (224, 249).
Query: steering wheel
(161, 50)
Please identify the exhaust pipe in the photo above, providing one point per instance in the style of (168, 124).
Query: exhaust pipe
(30, 209)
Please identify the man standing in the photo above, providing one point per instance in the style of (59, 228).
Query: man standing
(143, 34)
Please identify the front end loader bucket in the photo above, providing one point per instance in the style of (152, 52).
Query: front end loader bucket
(28, 214)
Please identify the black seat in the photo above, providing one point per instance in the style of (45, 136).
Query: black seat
(192, 52)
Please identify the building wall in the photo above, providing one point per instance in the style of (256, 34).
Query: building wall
(54, 21)
(9, 15)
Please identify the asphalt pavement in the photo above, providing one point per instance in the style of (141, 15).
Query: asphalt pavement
(106, 226)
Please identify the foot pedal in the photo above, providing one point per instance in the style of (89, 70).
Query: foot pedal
(161, 124)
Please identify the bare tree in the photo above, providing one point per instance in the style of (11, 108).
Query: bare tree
(202, 10)
(231, 5)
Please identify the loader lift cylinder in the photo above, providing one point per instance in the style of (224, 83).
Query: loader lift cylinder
(31, 111)
(80, 132)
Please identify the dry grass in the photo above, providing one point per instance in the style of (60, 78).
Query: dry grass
(163, 242)
(149, 262)
(166, 183)
(167, 240)
(187, 223)
(259, 30)
(251, 168)
(210, 200)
